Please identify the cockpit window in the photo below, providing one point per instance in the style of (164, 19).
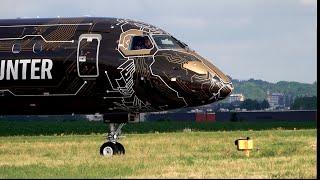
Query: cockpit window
(140, 42)
(135, 42)
(167, 42)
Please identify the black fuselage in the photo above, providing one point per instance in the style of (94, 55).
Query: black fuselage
(86, 66)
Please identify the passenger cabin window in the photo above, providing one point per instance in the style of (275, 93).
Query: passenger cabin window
(167, 42)
(16, 48)
(37, 47)
(140, 42)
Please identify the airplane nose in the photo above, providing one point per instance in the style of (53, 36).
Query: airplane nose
(210, 80)
(219, 88)
(196, 80)
(226, 90)
(219, 79)
(220, 85)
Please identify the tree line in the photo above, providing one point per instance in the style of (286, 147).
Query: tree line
(300, 103)
(305, 103)
(257, 89)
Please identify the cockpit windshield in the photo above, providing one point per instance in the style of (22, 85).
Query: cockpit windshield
(167, 42)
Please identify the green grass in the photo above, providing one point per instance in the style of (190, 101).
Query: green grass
(69, 149)
(15, 128)
(277, 153)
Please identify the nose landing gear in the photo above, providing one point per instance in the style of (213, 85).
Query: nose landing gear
(112, 147)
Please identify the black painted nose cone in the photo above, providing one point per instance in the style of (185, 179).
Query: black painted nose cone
(226, 91)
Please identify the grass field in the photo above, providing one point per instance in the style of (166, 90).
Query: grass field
(280, 152)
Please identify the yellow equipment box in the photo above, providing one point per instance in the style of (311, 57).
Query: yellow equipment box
(244, 144)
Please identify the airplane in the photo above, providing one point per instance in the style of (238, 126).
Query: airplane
(110, 66)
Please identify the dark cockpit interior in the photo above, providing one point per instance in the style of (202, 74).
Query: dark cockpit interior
(162, 41)
(141, 42)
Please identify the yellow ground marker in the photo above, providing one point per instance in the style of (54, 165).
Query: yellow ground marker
(244, 145)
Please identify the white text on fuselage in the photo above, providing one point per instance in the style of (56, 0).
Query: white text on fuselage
(27, 68)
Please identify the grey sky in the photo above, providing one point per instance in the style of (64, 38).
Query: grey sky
(272, 40)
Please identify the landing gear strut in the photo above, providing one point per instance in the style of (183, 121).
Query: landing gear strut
(112, 147)
(116, 121)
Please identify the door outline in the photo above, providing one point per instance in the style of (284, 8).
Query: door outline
(89, 38)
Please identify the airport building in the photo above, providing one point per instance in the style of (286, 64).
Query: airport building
(236, 97)
(276, 100)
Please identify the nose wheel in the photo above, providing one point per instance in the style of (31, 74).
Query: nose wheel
(109, 149)
(112, 147)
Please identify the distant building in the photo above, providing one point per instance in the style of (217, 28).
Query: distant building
(94, 117)
(276, 100)
(236, 97)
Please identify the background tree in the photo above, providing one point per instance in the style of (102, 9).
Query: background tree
(305, 103)
(250, 104)
(264, 104)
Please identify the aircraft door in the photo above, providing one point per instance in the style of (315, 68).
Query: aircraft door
(88, 55)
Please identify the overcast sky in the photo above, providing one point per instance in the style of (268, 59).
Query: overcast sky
(272, 40)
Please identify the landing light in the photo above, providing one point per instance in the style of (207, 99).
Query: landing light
(173, 79)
